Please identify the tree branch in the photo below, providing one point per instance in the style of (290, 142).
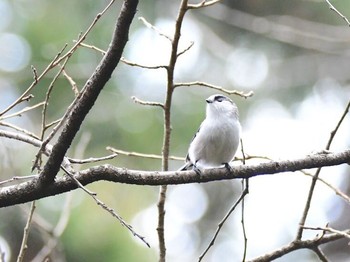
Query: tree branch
(298, 244)
(92, 89)
(31, 190)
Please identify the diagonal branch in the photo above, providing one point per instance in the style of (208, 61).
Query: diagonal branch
(92, 89)
(315, 177)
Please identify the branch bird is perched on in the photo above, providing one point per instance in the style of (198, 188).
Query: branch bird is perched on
(217, 138)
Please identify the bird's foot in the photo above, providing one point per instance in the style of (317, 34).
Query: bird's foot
(228, 167)
(197, 170)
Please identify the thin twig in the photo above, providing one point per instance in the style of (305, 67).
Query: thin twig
(159, 32)
(55, 129)
(336, 190)
(17, 178)
(339, 13)
(245, 186)
(55, 122)
(219, 88)
(136, 154)
(24, 131)
(147, 103)
(24, 110)
(315, 177)
(91, 159)
(46, 101)
(331, 230)
(62, 223)
(26, 234)
(222, 222)
(33, 141)
(333, 133)
(34, 83)
(186, 49)
(38, 160)
(123, 59)
(83, 36)
(95, 48)
(46, 250)
(71, 82)
(204, 3)
(105, 207)
(35, 73)
(320, 254)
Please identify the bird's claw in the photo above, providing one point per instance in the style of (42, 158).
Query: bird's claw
(228, 167)
(197, 170)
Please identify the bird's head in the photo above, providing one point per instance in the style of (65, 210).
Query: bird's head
(221, 106)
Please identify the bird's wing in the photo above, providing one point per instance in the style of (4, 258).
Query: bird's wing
(188, 161)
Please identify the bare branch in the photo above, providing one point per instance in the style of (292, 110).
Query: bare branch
(33, 141)
(17, 178)
(136, 154)
(125, 61)
(167, 126)
(35, 74)
(31, 190)
(337, 12)
(92, 159)
(219, 88)
(46, 101)
(159, 32)
(336, 190)
(26, 234)
(333, 133)
(298, 244)
(245, 183)
(204, 3)
(24, 110)
(320, 254)
(146, 103)
(91, 91)
(315, 177)
(186, 49)
(24, 131)
(71, 82)
(108, 209)
(345, 233)
(83, 36)
(222, 222)
(103, 52)
(26, 94)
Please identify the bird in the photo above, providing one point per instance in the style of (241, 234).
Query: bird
(217, 139)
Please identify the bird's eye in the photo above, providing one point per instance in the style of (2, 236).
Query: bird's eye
(219, 99)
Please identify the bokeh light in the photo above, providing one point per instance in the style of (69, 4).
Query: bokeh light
(14, 52)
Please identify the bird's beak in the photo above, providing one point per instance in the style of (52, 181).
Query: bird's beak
(209, 101)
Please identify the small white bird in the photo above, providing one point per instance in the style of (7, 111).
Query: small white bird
(217, 138)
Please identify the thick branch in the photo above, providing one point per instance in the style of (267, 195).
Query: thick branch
(91, 91)
(31, 190)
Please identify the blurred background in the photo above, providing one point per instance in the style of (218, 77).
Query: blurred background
(294, 56)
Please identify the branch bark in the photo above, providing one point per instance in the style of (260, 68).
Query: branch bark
(91, 91)
(31, 190)
(298, 244)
